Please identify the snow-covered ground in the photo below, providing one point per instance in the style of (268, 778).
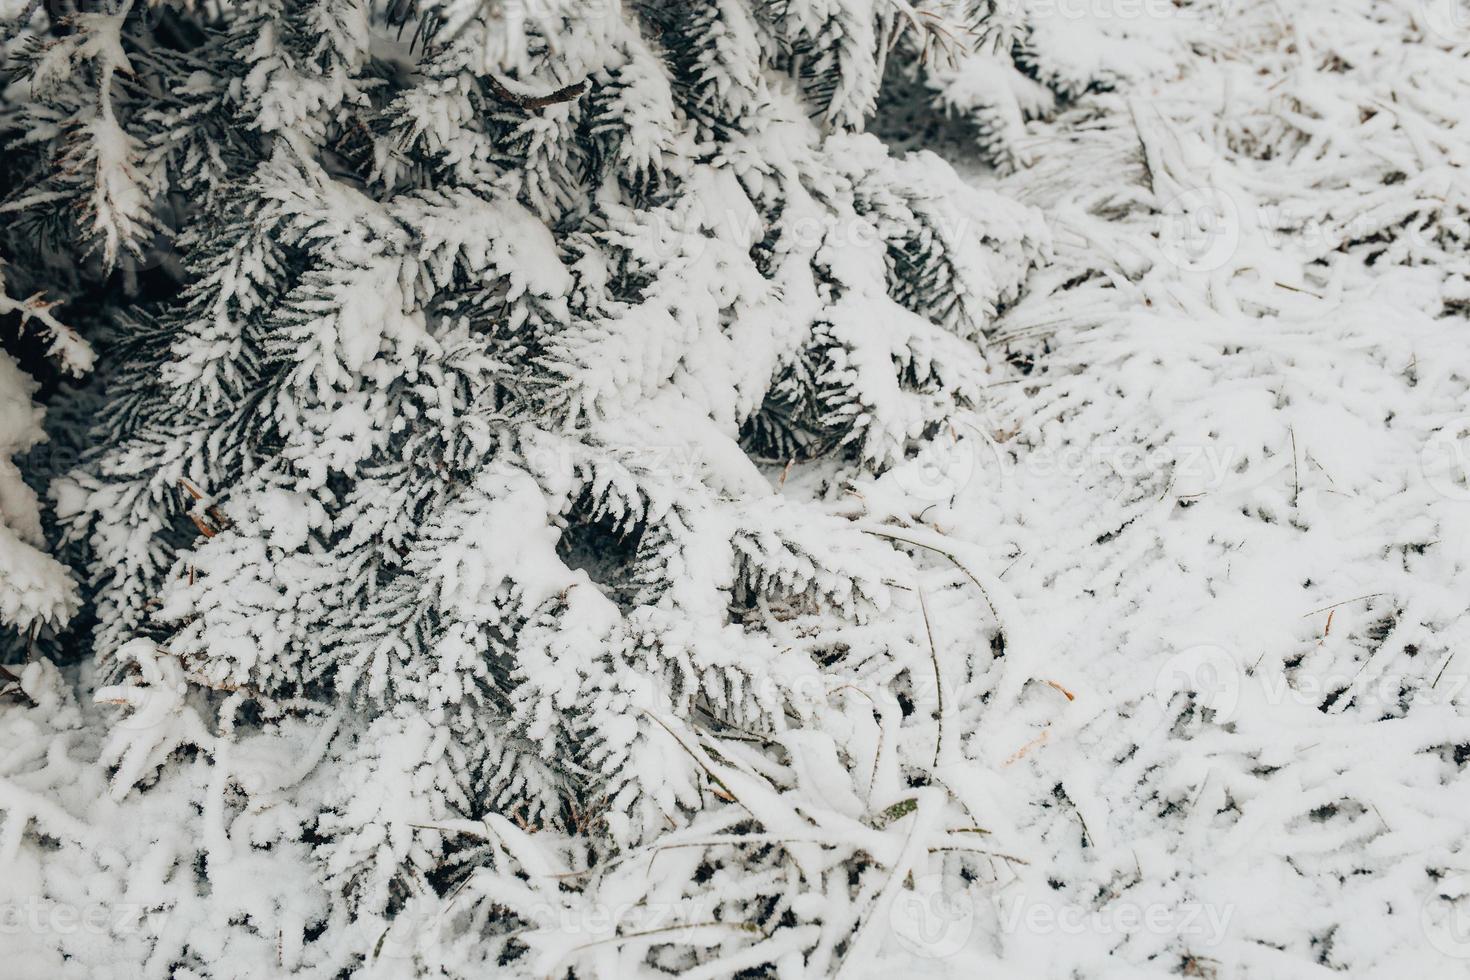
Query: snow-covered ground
(1197, 578)
(1224, 473)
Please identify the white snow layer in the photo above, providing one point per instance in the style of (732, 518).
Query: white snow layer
(34, 587)
(1219, 505)
(1234, 481)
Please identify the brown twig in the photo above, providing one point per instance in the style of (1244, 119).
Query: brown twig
(533, 102)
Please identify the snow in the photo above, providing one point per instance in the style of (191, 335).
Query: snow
(1234, 479)
(1130, 647)
(34, 587)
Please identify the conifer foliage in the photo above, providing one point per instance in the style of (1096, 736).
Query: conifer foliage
(431, 529)
(36, 591)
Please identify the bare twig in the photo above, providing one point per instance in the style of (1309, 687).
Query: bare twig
(938, 677)
(1370, 595)
(533, 102)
